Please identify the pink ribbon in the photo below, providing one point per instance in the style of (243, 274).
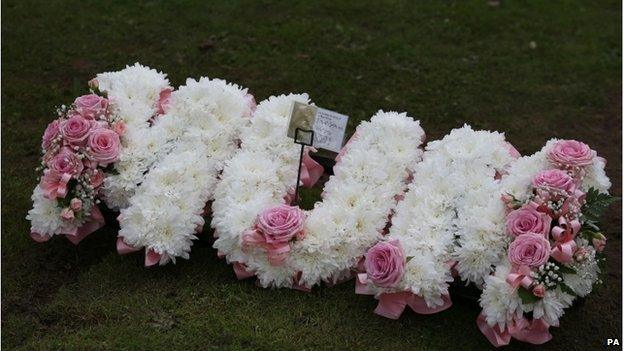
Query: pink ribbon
(566, 229)
(151, 257)
(240, 269)
(311, 170)
(123, 248)
(392, 305)
(534, 332)
(54, 186)
(522, 277)
(343, 151)
(495, 335)
(276, 253)
(95, 222)
(563, 252)
(39, 237)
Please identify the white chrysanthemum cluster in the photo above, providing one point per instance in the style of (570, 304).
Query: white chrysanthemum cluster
(45, 215)
(167, 208)
(451, 212)
(134, 94)
(550, 307)
(357, 199)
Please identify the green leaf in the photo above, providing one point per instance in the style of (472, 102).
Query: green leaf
(408, 258)
(566, 270)
(596, 203)
(527, 296)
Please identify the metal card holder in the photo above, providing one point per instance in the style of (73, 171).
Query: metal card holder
(303, 143)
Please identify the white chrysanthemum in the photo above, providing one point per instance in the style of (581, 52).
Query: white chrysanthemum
(550, 307)
(45, 216)
(357, 199)
(499, 300)
(167, 208)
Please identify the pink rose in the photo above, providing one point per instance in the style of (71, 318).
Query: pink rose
(280, 224)
(571, 153)
(67, 214)
(51, 132)
(530, 249)
(76, 130)
(528, 220)
(104, 146)
(91, 106)
(554, 179)
(539, 290)
(599, 241)
(164, 101)
(119, 128)
(385, 263)
(97, 178)
(75, 204)
(65, 162)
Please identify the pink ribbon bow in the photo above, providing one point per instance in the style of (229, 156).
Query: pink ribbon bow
(392, 305)
(536, 332)
(521, 277)
(151, 257)
(54, 186)
(566, 229)
(276, 253)
(311, 170)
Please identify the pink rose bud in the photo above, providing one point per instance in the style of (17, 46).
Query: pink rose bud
(91, 106)
(531, 249)
(385, 263)
(571, 153)
(75, 130)
(119, 128)
(67, 214)
(539, 290)
(93, 83)
(51, 132)
(104, 145)
(581, 254)
(599, 241)
(65, 162)
(281, 224)
(75, 204)
(251, 103)
(554, 179)
(528, 220)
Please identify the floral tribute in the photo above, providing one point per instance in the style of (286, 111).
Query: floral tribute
(452, 199)
(166, 210)
(84, 147)
(554, 200)
(260, 232)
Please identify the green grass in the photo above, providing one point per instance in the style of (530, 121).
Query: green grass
(444, 62)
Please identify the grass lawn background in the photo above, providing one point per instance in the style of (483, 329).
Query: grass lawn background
(443, 62)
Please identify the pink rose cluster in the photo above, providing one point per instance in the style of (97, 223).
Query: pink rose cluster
(77, 147)
(544, 229)
(275, 228)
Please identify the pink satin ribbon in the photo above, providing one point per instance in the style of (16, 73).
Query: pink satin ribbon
(534, 332)
(151, 257)
(521, 277)
(241, 272)
(343, 151)
(276, 253)
(311, 170)
(566, 229)
(123, 248)
(392, 305)
(58, 188)
(563, 252)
